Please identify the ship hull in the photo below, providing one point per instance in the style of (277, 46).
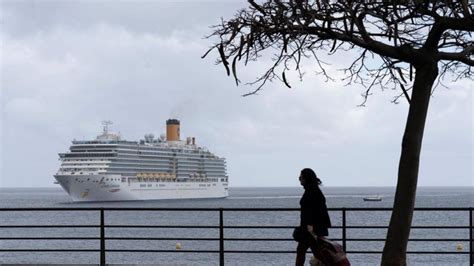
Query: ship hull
(108, 187)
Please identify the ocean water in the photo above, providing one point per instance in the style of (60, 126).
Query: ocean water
(337, 197)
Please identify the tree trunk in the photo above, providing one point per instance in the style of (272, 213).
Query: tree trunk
(394, 252)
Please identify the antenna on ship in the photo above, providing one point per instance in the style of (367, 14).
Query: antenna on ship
(106, 125)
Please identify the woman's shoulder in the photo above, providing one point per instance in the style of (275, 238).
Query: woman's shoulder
(310, 194)
(316, 194)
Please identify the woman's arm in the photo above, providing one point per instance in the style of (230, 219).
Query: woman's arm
(310, 230)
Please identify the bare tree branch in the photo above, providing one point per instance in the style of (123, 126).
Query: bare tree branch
(466, 56)
(390, 29)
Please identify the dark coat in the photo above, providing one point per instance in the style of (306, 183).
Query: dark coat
(314, 211)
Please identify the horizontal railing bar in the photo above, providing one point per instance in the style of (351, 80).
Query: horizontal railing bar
(162, 226)
(162, 250)
(275, 251)
(214, 251)
(339, 227)
(196, 251)
(109, 209)
(49, 226)
(203, 239)
(460, 209)
(49, 238)
(212, 226)
(224, 209)
(226, 226)
(259, 239)
(202, 209)
(258, 227)
(347, 239)
(197, 239)
(161, 238)
(415, 239)
(410, 252)
(412, 227)
(215, 239)
(49, 250)
(261, 251)
(208, 226)
(255, 226)
(48, 209)
(353, 252)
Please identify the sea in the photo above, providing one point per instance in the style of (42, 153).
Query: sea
(239, 197)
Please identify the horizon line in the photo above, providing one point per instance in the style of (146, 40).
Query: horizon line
(368, 186)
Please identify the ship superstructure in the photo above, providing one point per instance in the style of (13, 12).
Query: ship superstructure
(111, 169)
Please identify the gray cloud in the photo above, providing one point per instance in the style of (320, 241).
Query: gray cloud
(66, 66)
(23, 18)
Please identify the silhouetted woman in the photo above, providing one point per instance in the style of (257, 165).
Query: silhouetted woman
(314, 214)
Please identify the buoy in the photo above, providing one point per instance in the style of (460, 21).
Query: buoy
(459, 247)
(178, 246)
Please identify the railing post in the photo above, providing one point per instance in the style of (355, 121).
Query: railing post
(471, 248)
(102, 238)
(221, 237)
(344, 229)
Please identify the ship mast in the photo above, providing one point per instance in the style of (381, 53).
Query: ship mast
(106, 125)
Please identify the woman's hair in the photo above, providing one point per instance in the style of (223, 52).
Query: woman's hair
(310, 177)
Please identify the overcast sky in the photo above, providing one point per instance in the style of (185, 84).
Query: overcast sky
(68, 65)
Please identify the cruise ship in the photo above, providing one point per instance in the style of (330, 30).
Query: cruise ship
(111, 169)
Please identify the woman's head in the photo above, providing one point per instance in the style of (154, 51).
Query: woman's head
(308, 178)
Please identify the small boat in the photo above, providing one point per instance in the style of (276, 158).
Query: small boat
(373, 198)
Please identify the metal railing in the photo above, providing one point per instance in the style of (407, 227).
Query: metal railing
(344, 227)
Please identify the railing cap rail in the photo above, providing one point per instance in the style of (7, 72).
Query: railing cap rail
(218, 209)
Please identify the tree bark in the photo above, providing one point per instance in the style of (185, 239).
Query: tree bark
(394, 252)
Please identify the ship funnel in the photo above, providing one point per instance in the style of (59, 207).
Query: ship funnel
(172, 130)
